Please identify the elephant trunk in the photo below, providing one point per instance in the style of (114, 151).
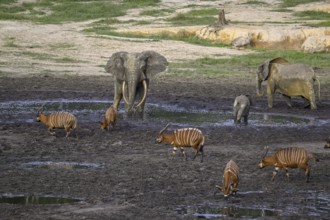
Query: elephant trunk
(129, 93)
(259, 90)
(130, 98)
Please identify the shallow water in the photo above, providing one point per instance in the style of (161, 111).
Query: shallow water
(65, 165)
(32, 199)
(213, 211)
(313, 204)
(90, 111)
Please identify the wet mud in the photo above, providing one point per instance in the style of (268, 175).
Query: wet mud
(124, 174)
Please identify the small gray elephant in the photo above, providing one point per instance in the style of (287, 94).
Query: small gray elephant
(132, 72)
(289, 79)
(241, 108)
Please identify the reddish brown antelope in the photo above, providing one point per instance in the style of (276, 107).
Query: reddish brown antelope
(110, 118)
(230, 179)
(64, 120)
(292, 157)
(185, 137)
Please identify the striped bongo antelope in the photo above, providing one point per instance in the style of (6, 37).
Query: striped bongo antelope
(64, 120)
(292, 157)
(110, 118)
(230, 179)
(185, 137)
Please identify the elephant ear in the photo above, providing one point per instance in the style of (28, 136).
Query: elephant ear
(155, 63)
(263, 69)
(115, 65)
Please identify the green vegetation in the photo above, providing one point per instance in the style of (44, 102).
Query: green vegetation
(292, 3)
(242, 65)
(58, 11)
(322, 24)
(61, 46)
(156, 13)
(314, 15)
(195, 17)
(46, 56)
(255, 2)
(10, 42)
(184, 36)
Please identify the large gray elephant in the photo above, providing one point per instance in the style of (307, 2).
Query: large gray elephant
(289, 79)
(132, 72)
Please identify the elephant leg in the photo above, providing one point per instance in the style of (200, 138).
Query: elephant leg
(235, 115)
(118, 95)
(287, 100)
(270, 95)
(312, 100)
(310, 97)
(245, 120)
(306, 102)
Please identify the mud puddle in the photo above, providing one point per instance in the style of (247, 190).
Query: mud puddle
(230, 211)
(63, 165)
(93, 111)
(312, 204)
(36, 200)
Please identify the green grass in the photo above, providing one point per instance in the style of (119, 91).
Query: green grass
(321, 24)
(180, 36)
(10, 42)
(59, 11)
(292, 3)
(61, 46)
(313, 15)
(254, 2)
(195, 17)
(243, 65)
(66, 60)
(2, 2)
(156, 13)
(46, 56)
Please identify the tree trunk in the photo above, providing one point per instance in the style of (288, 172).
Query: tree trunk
(222, 18)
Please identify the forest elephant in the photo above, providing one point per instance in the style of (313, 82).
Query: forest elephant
(289, 79)
(241, 108)
(132, 72)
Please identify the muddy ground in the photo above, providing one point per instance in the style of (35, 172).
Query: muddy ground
(134, 178)
(138, 178)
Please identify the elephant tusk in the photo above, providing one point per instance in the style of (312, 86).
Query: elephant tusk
(145, 87)
(124, 94)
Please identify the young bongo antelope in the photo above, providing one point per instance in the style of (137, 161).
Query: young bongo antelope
(185, 137)
(230, 179)
(110, 118)
(292, 157)
(64, 120)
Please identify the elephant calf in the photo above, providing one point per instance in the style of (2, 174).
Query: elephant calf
(241, 108)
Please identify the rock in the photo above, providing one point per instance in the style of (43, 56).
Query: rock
(242, 41)
(316, 44)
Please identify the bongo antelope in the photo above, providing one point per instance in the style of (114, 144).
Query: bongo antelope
(292, 157)
(185, 137)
